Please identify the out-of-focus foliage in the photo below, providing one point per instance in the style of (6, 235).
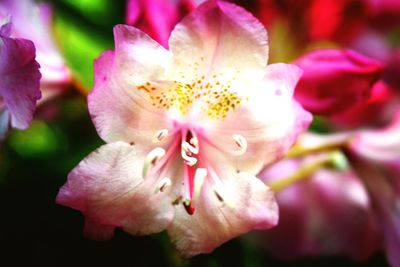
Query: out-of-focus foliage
(83, 36)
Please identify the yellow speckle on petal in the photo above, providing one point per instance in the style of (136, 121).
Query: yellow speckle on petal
(217, 98)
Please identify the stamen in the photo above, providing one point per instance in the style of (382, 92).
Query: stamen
(160, 135)
(163, 184)
(193, 147)
(241, 142)
(195, 142)
(191, 161)
(220, 198)
(151, 159)
(188, 149)
(222, 193)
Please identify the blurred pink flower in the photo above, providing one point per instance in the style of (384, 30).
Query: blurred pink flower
(19, 80)
(376, 110)
(375, 44)
(335, 80)
(157, 18)
(338, 20)
(377, 160)
(33, 21)
(354, 210)
(328, 213)
(187, 130)
(313, 20)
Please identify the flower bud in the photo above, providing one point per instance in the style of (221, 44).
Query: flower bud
(334, 80)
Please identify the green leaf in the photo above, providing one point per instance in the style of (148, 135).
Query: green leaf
(80, 45)
(39, 140)
(83, 30)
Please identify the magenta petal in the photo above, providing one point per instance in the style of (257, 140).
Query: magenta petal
(32, 21)
(133, 11)
(383, 183)
(374, 111)
(157, 17)
(333, 80)
(5, 28)
(19, 83)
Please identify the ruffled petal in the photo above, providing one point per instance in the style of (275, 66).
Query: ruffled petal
(227, 206)
(120, 103)
(109, 189)
(382, 144)
(219, 38)
(5, 26)
(270, 121)
(19, 83)
(32, 21)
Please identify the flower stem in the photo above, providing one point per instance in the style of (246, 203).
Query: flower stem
(334, 158)
(311, 143)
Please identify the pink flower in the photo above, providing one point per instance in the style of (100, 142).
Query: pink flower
(327, 213)
(313, 20)
(157, 18)
(392, 71)
(381, 145)
(376, 110)
(33, 21)
(19, 80)
(377, 160)
(186, 131)
(334, 80)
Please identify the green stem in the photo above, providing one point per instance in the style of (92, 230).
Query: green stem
(307, 170)
(313, 143)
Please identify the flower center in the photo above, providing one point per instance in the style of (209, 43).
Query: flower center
(158, 161)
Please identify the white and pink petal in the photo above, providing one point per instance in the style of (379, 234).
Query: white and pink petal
(120, 103)
(221, 39)
(229, 204)
(109, 189)
(269, 121)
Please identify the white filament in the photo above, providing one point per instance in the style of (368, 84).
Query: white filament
(151, 159)
(163, 184)
(199, 178)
